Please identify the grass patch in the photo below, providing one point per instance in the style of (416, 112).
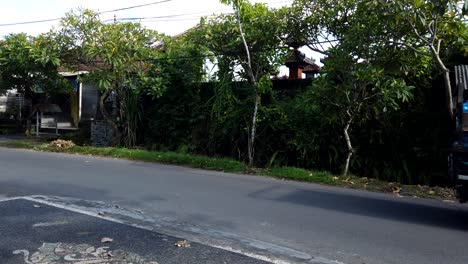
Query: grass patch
(298, 174)
(195, 161)
(23, 144)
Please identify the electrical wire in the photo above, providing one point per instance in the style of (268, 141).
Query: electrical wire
(156, 18)
(139, 18)
(103, 12)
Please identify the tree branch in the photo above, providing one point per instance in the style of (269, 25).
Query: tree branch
(415, 30)
(317, 50)
(411, 47)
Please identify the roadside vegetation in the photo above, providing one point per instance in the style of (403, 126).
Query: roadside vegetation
(380, 108)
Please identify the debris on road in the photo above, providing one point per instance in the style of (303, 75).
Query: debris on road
(59, 143)
(106, 240)
(183, 244)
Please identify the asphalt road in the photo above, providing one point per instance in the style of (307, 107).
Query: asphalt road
(305, 222)
(39, 233)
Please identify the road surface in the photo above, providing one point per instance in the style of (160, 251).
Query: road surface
(296, 222)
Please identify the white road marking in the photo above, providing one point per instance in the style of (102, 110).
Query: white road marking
(318, 260)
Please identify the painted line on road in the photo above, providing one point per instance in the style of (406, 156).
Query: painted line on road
(76, 210)
(6, 199)
(274, 260)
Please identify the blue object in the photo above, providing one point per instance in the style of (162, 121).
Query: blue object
(465, 107)
(465, 140)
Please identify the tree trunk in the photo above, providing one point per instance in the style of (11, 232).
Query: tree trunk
(447, 84)
(106, 117)
(448, 91)
(350, 148)
(253, 83)
(251, 140)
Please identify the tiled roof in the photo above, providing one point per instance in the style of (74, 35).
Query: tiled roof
(311, 68)
(300, 58)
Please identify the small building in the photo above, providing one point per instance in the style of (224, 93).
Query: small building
(298, 63)
(59, 111)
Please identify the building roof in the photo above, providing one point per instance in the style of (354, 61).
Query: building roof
(312, 68)
(298, 58)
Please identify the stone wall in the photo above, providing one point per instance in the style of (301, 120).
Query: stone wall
(101, 133)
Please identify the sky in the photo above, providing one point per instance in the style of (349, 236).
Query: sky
(175, 16)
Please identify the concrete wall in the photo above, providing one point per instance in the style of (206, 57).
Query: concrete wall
(101, 133)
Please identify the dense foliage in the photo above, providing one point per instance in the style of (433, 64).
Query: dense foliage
(378, 108)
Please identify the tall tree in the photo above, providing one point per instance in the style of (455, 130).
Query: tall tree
(27, 62)
(249, 42)
(120, 57)
(371, 28)
(351, 93)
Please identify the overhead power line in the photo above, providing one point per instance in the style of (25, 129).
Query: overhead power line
(137, 18)
(133, 7)
(193, 16)
(103, 12)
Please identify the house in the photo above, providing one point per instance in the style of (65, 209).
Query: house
(59, 111)
(84, 100)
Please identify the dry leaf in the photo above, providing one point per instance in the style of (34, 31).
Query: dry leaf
(183, 243)
(106, 240)
(37, 206)
(348, 180)
(396, 190)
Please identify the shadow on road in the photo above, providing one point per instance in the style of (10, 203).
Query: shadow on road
(404, 211)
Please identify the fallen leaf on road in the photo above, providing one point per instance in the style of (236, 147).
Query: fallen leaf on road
(183, 243)
(106, 240)
(37, 206)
